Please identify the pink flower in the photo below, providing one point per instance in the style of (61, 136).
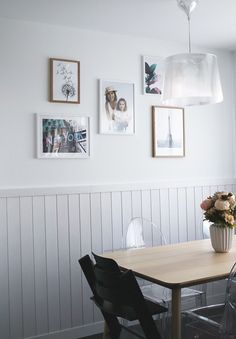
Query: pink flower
(206, 204)
(222, 205)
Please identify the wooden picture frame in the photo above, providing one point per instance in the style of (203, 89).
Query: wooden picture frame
(63, 136)
(64, 81)
(168, 137)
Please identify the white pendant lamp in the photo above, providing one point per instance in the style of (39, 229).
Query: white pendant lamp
(191, 78)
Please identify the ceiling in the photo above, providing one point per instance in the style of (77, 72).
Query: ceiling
(213, 22)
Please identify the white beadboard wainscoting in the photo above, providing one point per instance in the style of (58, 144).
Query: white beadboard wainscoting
(44, 231)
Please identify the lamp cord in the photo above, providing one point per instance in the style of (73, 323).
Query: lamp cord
(189, 35)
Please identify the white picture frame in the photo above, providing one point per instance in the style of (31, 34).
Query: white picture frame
(116, 111)
(61, 136)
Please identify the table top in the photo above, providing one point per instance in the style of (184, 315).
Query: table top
(182, 264)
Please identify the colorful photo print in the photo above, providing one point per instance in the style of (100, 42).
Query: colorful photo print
(63, 136)
(64, 81)
(153, 70)
(116, 107)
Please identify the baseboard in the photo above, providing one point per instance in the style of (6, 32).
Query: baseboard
(73, 333)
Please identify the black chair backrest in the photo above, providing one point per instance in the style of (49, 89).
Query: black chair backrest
(117, 294)
(119, 288)
(106, 264)
(88, 269)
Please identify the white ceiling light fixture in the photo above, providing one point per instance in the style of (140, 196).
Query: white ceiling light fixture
(191, 78)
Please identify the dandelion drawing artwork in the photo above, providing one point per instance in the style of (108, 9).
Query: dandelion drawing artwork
(68, 88)
(153, 69)
(64, 81)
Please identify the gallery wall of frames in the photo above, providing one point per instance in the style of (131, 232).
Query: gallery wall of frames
(86, 99)
(69, 136)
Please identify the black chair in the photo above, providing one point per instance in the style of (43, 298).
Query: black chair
(117, 294)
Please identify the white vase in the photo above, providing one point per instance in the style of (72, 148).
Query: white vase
(221, 238)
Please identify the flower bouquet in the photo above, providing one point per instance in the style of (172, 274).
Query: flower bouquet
(220, 209)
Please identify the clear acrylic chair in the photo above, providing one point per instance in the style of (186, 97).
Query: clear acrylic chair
(206, 229)
(142, 232)
(217, 320)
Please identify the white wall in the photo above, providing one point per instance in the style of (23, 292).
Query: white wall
(25, 49)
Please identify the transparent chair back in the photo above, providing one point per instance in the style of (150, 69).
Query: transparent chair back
(142, 232)
(228, 324)
(206, 229)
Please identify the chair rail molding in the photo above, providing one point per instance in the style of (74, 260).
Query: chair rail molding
(113, 187)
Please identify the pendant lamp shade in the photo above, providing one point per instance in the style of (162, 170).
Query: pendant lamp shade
(191, 79)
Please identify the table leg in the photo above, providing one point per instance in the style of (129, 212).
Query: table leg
(106, 333)
(176, 313)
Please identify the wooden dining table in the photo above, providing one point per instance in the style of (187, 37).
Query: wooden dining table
(177, 266)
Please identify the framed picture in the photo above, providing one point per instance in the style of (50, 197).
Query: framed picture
(62, 136)
(116, 107)
(153, 70)
(168, 131)
(64, 81)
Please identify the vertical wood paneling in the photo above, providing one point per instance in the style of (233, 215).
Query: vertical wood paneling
(85, 224)
(156, 213)
(127, 210)
(96, 224)
(28, 273)
(146, 214)
(75, 254)
(136, 204)
(191, 213)
(4, 282)
(40, 266)
(221, 188)
(174, 216)
(229, 188)
(52, 263)
(206, 191)
(165, 213)
(64, 261)
(42, 288)
(234, 188)
(214, 188)
(182, 204)
(107, 227)
(15, 274)
(117, 220)
(198, 212)
(96, 235)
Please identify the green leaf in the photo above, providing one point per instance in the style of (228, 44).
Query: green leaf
(153, 67)
(147, 68)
